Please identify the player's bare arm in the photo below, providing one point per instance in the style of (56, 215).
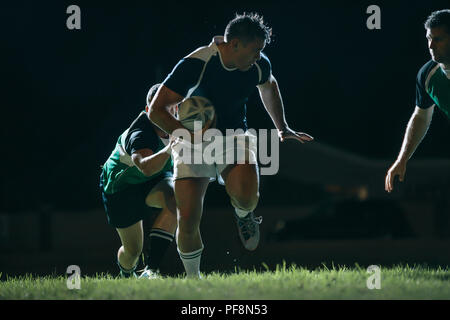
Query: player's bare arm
(415, 131)
(272, 101)
(149, 162)
(158, 111)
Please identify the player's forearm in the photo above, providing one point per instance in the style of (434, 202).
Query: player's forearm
(415, 132)
(272, 101)
(159, 113)
(164, 120)
(155, 163)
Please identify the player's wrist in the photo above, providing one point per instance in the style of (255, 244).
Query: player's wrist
(402, 160)
(283, 128)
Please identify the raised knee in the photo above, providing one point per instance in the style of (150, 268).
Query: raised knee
(245, 200)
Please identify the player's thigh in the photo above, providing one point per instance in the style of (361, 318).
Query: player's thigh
(161, 195)
(241, 179)
(132, 237)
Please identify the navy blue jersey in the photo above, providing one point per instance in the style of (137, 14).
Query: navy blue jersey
(202, 73)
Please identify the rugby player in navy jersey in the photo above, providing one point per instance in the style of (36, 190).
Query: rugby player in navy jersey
(226, 72)
(432, 89)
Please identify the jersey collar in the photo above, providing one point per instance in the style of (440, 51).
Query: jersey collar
(218, 40)
(445, 70)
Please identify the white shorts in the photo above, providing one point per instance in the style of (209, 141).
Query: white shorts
(209, 158)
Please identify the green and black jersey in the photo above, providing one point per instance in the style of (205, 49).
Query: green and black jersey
(119, 170)
(433, 87)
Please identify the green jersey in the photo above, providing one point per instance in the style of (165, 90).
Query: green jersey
(433, 87)
(119, 170)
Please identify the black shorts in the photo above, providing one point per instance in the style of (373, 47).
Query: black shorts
(126, 207)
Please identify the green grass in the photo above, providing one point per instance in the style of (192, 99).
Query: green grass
(287, 283)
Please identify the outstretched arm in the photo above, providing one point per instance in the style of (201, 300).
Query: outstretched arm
(272, 101)
(415, 132)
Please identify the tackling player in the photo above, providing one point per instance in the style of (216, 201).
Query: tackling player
(137, 177)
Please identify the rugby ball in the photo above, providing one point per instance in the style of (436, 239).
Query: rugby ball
(193, 109)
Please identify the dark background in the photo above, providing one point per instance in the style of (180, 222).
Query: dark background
(68, 94)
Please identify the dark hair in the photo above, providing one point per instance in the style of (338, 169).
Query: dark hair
(247, 27)
(151, 93)
(439, 18)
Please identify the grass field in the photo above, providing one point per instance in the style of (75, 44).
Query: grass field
(286, 283)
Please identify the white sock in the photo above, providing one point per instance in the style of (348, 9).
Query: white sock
(191, 262)
(241, 213)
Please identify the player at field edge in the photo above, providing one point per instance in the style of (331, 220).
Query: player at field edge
(226, 72)
(137, 177)
(432, 89)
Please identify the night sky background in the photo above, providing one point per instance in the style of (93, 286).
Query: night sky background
(68, 94)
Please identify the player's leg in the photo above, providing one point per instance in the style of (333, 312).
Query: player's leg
(162, 196)
(189, 195)
(163, 229)
(123, 210)
(128, 254)
(242, 186)
(191, 182)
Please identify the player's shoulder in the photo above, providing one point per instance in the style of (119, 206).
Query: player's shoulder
(264, 57)
(425, 70)
(140, 135)
(264, 68)
(140, 126)
(204, 53)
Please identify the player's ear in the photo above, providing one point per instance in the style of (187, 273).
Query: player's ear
(234, 44)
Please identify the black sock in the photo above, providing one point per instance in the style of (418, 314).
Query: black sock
(159, 241)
